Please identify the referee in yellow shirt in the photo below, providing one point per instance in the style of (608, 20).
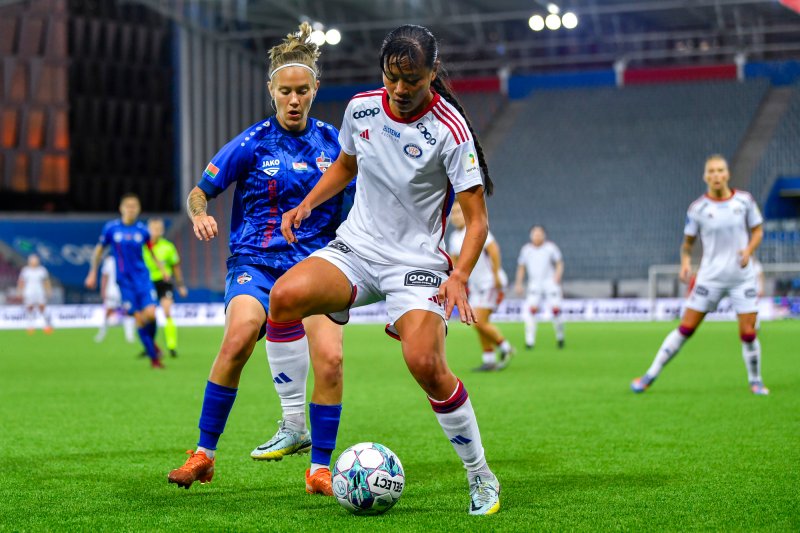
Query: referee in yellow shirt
(165, 252)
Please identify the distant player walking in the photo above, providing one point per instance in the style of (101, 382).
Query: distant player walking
(542, 262)
(165, 252)
(486, 285)
(34, 284)
(125, 236)
(729, 224)
(112, 301)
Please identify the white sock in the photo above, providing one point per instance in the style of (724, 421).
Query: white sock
(489, 358)
(209, 453)
(287, 355)
(129, 326)
(47, 321)
(460, 426)
(530, 326)
(669, 349)
(558, 325)
(317, 466)
(505, 346)
(751, 352)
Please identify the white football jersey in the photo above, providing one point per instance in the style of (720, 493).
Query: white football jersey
(109, 269)
(540, 263)
(482, 276)
(724, 229)
(408, 170)
(33, 279)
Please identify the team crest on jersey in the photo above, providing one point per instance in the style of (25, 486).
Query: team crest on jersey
(138, 237)
(270, 167)
(412, 150)
(323, 162)
(243, 278)
(301, 166)
(117, 236)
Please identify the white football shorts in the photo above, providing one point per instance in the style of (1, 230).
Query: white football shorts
(706, 296)
(550, 295)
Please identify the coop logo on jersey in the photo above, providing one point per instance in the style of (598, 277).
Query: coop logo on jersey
(469, 162)
(301, 166)
(364, 113)
(422, 278)
(211, 170)
(323, 162)
(391, 133)
(243, 278)
(412, 150)
(270, 167)
(429, 138)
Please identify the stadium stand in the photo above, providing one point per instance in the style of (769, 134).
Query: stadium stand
(610, 172)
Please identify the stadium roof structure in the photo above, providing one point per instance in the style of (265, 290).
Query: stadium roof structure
(483, 37)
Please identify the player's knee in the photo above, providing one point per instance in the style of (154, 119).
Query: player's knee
(328, 366)
(686, 330)
(556, 311)
(284, 301)
(239, 339)
(534, 310)
(747, 335)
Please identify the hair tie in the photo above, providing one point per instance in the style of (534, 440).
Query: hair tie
(311, 70)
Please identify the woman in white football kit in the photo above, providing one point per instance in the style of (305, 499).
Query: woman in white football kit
(413, 151)
(541, 260)
(729, 224)
(34, 284)
(486, 290)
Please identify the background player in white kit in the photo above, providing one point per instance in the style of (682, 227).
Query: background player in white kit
(487, 285)
(729, 224)
(413, 152)
(542, 262)
(34, 284)
(112, 302)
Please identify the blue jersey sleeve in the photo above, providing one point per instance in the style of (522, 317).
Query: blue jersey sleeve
(230, 163)
(105, 235)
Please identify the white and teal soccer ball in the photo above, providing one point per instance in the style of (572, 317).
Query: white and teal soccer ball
(368, 479)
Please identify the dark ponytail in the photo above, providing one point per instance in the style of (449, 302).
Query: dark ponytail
(416, 45)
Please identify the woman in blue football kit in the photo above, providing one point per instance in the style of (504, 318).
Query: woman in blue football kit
(274, 164)
(125, 236)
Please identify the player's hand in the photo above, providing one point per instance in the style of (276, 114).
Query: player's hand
(686, 273)
(182, 291)
(205, 227)
(91, 281)
(453, 293)
(744, 258)
(501, 295)
(291, 221)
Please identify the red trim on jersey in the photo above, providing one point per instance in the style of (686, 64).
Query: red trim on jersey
(444, 227)
(446, 122)
(388, 110)
(366, 94)
(453, 119)
(733, 193)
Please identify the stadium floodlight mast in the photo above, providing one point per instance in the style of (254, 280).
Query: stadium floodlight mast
(569, 20)
(553, 21)
(333, 36)
(553, 9)
(536, 23)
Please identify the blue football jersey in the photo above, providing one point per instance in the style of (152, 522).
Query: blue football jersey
(274, 169)
(126, 246)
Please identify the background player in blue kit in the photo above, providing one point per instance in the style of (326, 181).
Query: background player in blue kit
(274, 164)
(126, 236)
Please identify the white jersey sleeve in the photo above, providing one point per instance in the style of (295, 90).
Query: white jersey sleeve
(692, 226)
(462, 166)
(346, 141)
(754, 217)
(556, 251)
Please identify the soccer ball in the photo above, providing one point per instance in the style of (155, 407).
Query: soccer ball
(368, 479)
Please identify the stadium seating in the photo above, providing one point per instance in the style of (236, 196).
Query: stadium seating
(610, 172)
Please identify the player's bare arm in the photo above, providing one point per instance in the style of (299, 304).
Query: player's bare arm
(686, 258)
(756, 236)
(91, 278)
(332, 182)
(454, 291)
(518, 288)
(204, 225)
(559, 273)
(177, 272)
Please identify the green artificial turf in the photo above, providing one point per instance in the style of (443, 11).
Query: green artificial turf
(88, 433)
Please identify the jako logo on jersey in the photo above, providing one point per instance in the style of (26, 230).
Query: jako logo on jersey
(429, 138)
(270, 167)
(299, 165)
(412, 150)
(469, 162)
(367, 113)
(339, 245)
(422, 278)
(364, 135)
(243, 278)
(323, 162)
(750, 293)
(391, 133)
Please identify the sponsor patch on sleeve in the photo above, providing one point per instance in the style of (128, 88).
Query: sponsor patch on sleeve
(470, 163)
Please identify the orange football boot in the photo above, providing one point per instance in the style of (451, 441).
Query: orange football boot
(198, 467)
(319, 482)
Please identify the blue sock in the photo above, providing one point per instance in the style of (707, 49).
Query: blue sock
(217, 405)
(147, 341)
(151, 329)
(324, 427)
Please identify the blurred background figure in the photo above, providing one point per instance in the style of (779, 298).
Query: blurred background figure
(34, 284)
(165, 252)
(112, 302)
(541, 261)
(486, 290)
